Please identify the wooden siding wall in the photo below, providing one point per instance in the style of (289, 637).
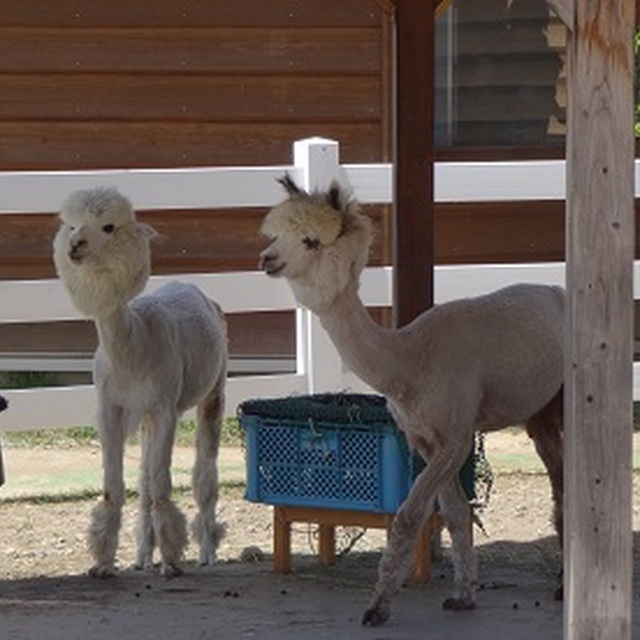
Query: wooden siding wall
(212, 82)
(177, 83)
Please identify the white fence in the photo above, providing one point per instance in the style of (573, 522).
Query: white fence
(316, 163)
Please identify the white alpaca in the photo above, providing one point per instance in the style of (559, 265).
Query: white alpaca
(158, 355)
(481, 363)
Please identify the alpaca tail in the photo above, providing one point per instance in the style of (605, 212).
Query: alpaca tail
(206, 529)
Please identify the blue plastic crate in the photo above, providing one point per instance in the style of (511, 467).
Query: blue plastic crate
(339, 451)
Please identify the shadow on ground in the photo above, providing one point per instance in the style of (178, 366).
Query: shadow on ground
(236, 600)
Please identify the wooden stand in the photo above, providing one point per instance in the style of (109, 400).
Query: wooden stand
(328, 520)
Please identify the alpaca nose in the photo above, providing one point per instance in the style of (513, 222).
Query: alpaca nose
(77, 249)
(266, 258)
(263, 259)
(269, 263)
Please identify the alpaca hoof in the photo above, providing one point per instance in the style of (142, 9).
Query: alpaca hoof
(375, 616)
(102, 571)
(208, 560)
(171, 571)
(458, 604)
(207, 555)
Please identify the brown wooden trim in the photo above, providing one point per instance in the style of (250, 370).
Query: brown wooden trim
(413, 220)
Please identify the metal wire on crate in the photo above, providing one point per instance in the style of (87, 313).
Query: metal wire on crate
(483, 482)
(483, 475)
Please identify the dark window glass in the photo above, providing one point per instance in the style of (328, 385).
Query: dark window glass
(500, 75)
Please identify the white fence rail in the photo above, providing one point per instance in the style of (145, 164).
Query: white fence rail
(316, 163)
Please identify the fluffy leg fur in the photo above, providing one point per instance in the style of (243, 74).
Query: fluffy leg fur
(144, 533)
(170, 528)
(457, 514)
(417, 507)
(169, 524)
(206, 529)
(106, 515)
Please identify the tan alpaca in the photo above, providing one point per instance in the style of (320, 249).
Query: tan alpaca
(482, 363)
(158, 355)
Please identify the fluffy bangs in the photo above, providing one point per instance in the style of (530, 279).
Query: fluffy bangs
(303, 220)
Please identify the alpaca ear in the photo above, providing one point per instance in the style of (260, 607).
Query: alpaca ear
(147, 231)
(289, 185)
(337, 198)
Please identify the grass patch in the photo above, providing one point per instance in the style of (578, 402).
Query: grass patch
(52, 438)
(230, 488)
(232, 436)
(50, 475)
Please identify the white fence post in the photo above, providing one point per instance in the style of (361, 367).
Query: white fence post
(318, 162)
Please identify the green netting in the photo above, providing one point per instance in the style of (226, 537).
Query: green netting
(339, 409)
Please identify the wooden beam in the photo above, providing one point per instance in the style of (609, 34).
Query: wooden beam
(600, 232)
(413, 159)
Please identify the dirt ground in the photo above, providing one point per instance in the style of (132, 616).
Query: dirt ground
(45, 593)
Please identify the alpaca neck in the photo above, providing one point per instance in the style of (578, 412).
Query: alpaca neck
(369, 350)
(116, 332)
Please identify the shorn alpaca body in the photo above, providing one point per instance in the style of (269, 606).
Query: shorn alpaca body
(475, 364)
(158, 355)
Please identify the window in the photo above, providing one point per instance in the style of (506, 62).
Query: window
(500, 78)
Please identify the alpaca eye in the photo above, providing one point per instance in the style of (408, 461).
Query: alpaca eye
(311, 243)
(109, 228)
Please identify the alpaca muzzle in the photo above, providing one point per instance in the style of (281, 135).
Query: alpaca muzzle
(78, 251)
(269, 264)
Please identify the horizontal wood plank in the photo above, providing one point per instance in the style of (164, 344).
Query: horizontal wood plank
(499, 232)
(190, 98)
(190, 50)
(198, 13)
(201, 241)
(189, 241)
(113, 145)
(276, 335)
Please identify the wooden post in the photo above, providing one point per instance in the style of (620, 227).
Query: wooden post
(413, 159)
(600, 251)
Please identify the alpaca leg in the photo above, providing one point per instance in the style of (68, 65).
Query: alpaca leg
(169, 524)
(546, 430)
(457, 514)
(414, 511)
(107, 514)
(145, 536)
(206, 529)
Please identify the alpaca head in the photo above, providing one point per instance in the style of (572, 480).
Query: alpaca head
(101, 251)
(320, 243)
